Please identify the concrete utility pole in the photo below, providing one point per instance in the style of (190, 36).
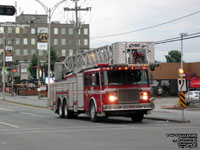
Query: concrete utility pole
(78, 23)
(3, 68)
(182, 35)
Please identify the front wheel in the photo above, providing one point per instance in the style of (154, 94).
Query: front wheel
(137, 117)
(93, 113)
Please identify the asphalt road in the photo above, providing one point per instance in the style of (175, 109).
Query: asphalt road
(30, 128)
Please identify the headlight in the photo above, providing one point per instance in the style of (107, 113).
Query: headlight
(144, 96)
(112, 98)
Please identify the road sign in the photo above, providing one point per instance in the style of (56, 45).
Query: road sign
(182, 85)
(7, 10)
(182, 101)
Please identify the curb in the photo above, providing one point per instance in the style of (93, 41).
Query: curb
(18, 103)
(168, 120)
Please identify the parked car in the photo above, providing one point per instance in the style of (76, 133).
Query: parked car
(193, 97)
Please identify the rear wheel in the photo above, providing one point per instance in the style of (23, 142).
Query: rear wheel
(93, 113)
(68, 113)
(60, 110)
(65, 110)
(137, 117)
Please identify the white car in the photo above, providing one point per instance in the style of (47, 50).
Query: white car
(192, 96)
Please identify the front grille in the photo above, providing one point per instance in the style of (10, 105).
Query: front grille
(127, 96)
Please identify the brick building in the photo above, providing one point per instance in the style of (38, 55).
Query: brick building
(22, 40)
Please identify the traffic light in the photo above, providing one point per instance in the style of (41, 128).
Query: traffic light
(7, 10)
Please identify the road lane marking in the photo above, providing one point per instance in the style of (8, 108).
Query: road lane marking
(10, 125)
(7, 109)
(31, 114)
(112, 128)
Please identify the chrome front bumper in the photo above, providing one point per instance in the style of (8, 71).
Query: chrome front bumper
(123, 107)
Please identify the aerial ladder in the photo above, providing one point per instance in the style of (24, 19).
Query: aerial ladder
(117, 53)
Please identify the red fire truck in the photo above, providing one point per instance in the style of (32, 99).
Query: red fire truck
(108, 81)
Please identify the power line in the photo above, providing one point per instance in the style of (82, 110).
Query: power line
(153, 17)
(150, 27)
(190, 36)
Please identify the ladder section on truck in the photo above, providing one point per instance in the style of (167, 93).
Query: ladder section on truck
(87, 59)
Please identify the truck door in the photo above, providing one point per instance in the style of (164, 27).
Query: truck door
(92, 89)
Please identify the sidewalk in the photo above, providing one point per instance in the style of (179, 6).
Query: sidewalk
(26, 100)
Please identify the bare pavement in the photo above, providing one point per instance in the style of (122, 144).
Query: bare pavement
(165, 108)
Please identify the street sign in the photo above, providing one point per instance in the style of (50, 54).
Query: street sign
(182, 101)
(182, 85)
(7, 10)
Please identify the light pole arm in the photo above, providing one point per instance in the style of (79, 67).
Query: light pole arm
(55, 6)
(44, 6)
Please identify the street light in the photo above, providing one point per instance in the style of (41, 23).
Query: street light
(182, 35)
(49, 12)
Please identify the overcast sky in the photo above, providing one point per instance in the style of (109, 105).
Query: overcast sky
(110, 17)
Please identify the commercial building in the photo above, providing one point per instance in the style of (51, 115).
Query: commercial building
(29, 35)
(166, 76)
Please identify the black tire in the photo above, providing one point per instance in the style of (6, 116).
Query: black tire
(68, 113)
(92, 112)
(60, 110)
(138, 117)
(65, 109)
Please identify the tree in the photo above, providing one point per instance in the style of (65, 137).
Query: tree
(173, 56)
(33, 66)
(53, 59)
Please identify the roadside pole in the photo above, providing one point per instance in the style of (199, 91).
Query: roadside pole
(182, 88)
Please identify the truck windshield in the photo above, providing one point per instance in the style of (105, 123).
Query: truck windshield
(122, 77)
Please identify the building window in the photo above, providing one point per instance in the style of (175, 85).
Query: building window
(85, 42)
(71, 31)
(17, 41)
(70, 52)
(79, 42)
(63, 52)
(32, 30)
(32, 41)
(63, 41)
(79, 31)
(55, 41)
(25, 30)
(40, 52)
(17, 52)
(1, 52)
(1, 30)
(1, 40)
(9, 41)
(25, 52)
(33, 51)
(55, 30)
(25, 41)
(85, 31)
(17, 30)
(63, 31)
(9, 30)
